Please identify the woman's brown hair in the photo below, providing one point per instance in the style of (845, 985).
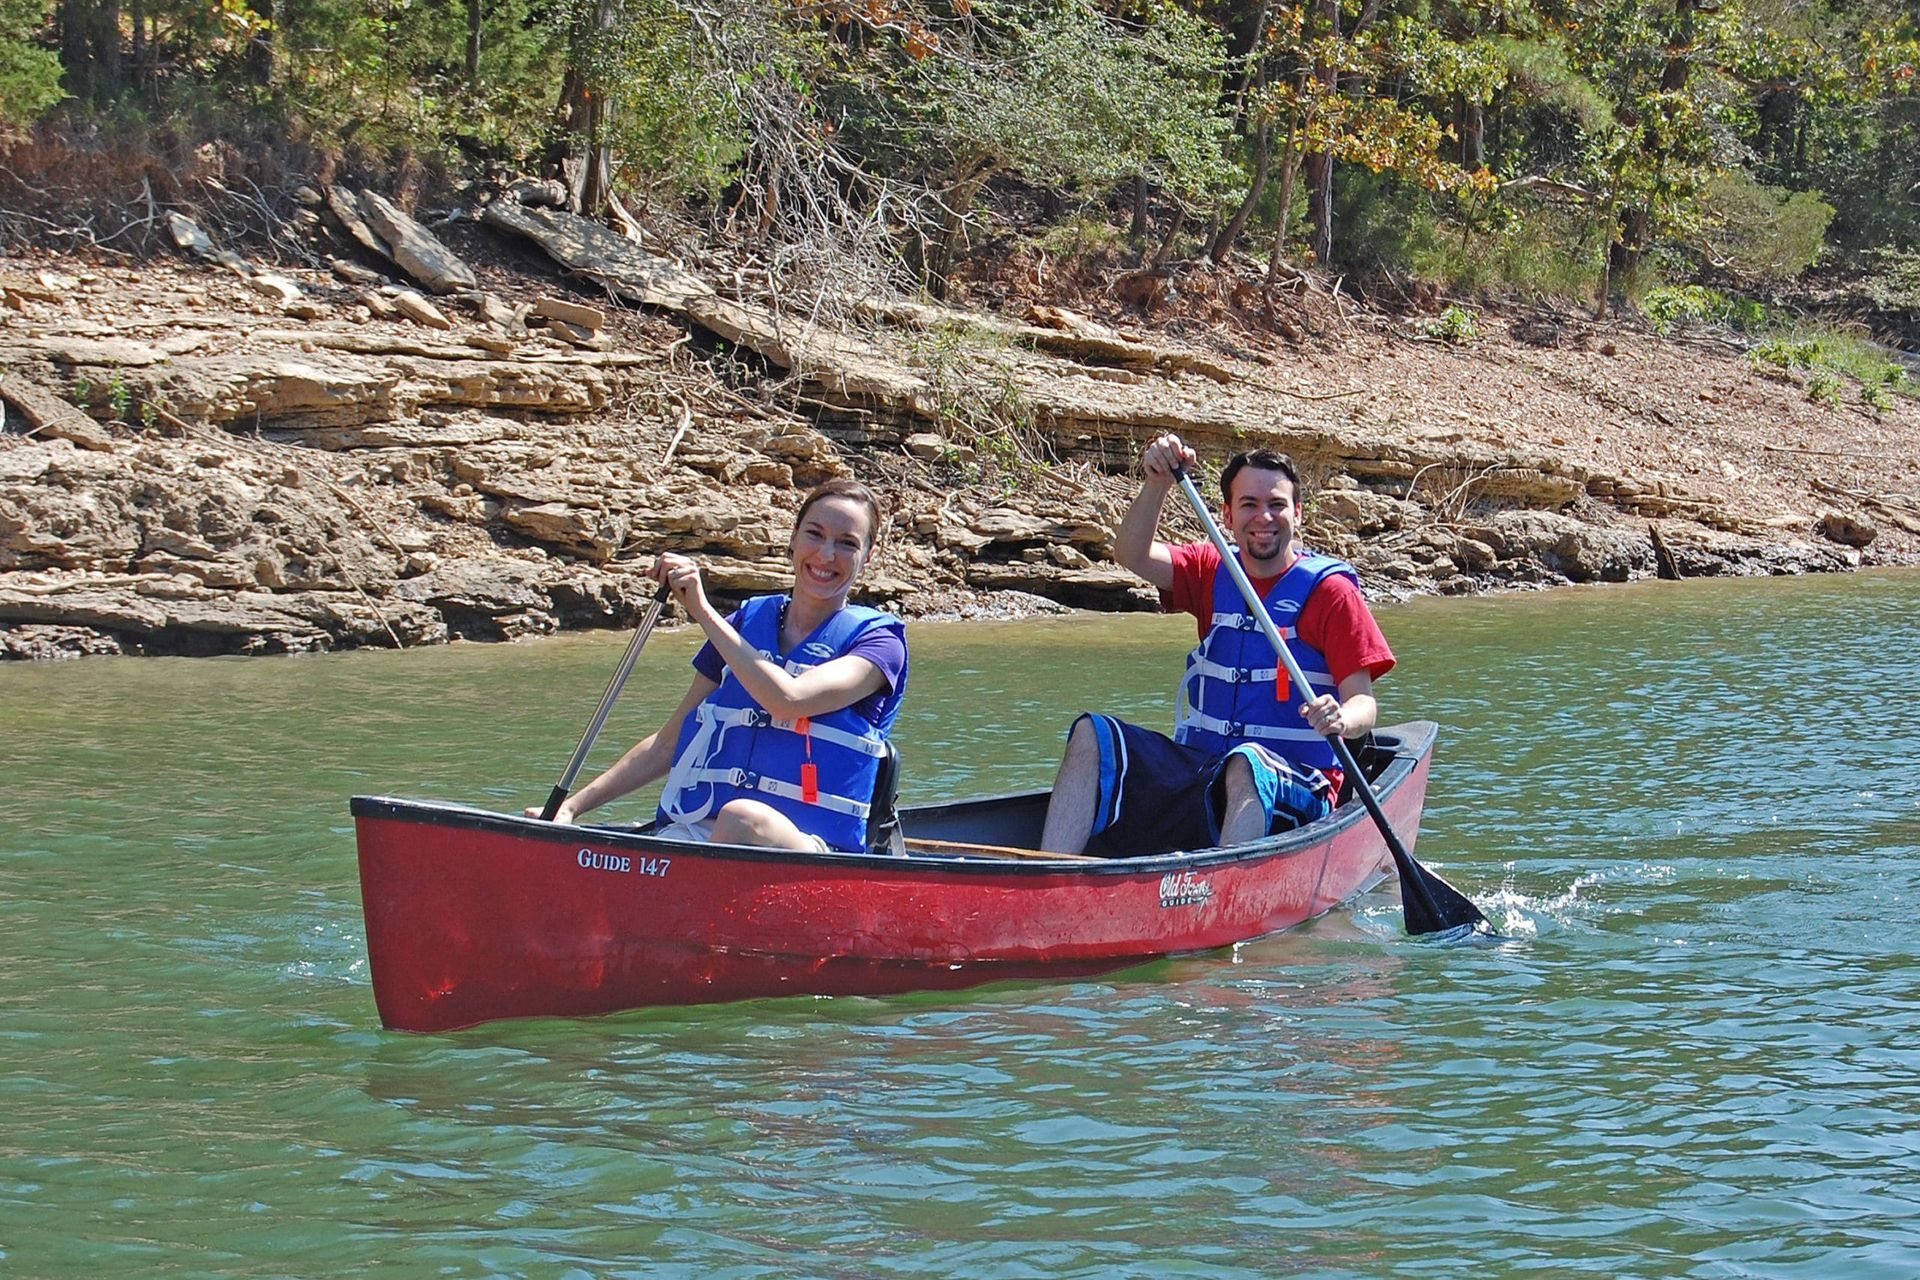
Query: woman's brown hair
(840, 487)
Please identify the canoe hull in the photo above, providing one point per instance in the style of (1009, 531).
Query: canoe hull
(473, 916)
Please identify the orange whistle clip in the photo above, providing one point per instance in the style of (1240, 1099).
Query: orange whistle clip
(809, 772)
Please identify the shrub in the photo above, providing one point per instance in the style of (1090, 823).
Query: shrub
(1538, 252)
(1669, 307)
(1456, 324)
(29, 76)
(1760, 234)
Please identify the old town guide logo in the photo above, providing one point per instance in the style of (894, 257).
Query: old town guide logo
(1184, 889)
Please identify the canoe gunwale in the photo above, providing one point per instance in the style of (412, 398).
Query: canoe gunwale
(1408, 744)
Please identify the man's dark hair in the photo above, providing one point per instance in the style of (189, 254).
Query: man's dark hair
(1261, 460)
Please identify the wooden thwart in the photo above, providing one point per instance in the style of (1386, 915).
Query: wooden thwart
(993, 850)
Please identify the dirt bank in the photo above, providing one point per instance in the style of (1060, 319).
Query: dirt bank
(202, 458)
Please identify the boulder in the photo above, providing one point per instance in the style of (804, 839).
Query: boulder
(1847, 530)
(1578, 551)
(414, 249)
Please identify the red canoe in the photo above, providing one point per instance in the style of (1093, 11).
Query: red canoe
(473, 915)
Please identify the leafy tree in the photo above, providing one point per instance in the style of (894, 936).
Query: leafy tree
(1058, 95)
(29, 75)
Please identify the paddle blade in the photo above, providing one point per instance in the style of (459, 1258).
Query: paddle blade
(1430, 905)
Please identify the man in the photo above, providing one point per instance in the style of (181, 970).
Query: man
(1249, 756)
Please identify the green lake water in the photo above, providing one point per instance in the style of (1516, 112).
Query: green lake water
(1693, 807)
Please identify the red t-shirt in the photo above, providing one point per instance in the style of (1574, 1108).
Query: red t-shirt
(1336, 620)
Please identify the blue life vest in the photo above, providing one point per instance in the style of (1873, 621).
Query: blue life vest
(732, 748)
(1227, 696)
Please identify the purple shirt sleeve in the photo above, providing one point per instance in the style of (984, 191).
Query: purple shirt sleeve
(886, 649)
(707, 662)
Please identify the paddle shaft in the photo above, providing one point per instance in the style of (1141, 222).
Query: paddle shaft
(620, 673)
(1418, 906)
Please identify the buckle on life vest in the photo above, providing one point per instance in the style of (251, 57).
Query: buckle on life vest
(747, 780)
(1242, 674)
(1235, 728)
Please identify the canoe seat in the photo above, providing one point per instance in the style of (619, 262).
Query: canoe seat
(883, 818)
(1372, 755)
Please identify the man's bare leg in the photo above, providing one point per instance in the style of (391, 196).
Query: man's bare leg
(1076, 789)
(1243, 817)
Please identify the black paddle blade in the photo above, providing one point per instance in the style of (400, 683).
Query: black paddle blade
(1430, 905)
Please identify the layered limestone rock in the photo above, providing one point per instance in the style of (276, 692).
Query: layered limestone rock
(213, 473)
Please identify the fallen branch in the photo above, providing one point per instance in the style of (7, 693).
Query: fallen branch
(1822, 453)
(1331, 395)
(686, 420)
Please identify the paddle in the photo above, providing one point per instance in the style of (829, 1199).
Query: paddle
(1428, 904)
(620, 674)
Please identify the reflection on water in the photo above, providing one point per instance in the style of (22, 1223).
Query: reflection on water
(1692, 804)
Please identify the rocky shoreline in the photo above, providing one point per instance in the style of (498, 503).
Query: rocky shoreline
(203, 457)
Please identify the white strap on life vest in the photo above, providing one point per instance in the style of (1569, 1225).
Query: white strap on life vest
(775, 787)
(1191, 719)
(1247, 622)
(732, 716)
(680, 776)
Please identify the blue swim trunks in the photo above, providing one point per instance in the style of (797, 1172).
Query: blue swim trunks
(1157, 795)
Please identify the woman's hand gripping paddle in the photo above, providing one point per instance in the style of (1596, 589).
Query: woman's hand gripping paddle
(620, 674)
(1428, 904)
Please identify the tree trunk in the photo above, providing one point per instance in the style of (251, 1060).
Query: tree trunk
(1473, 134)
(260, 45)
(90, 48)
(1262, 164)
(1289, 169)
(475, 16)
(1320, 163)
(1138, 231)
(1165, 251)
(75, 53)
(1636, 224)
(141, 74)
(585, 159)
(938, 271)
(1320, 205)
(106, 46)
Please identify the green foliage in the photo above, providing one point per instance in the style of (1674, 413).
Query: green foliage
(29, 75)
(1519, 144)
(1081, 236)
(120, 398)
(677, 128)
(1823, 387)
(979, 403)
(1070, 98)
(1670, 307)
(1826, 355)
(393, 73)
(1536, 251)
(1456, 325)
(1895, 280)
(1761, 234)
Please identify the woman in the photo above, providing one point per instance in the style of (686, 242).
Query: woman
(779, 739)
